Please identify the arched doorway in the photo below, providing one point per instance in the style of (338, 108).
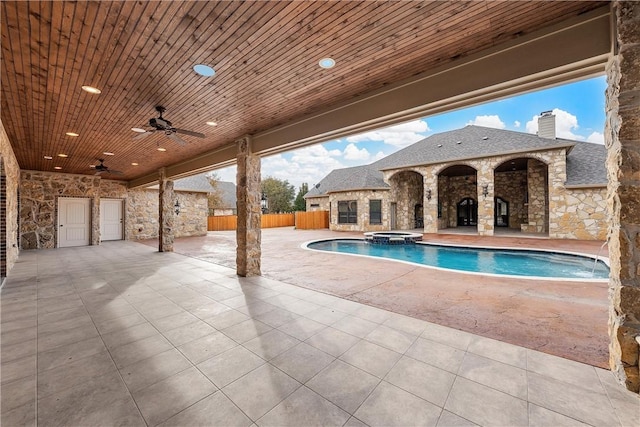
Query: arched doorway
(522, 195)
(467, 212)
(457, 184)
(407, 194)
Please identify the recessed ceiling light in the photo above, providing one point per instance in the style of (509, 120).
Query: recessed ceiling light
(57, 167)
(212, 123)
(48, 157)
(204, 70)
(139, 130)
(72, 134)
(162, 149)
(106, 153)
(91, 89)
(63, 155)
(327, 63)
(134, 164)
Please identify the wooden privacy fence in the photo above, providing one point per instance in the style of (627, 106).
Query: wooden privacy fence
(312, 220)
(230, 222)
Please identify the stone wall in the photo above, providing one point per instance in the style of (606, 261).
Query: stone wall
(11, 177)
(537, 198)
(622, 138)
(39, 193)
(322, 202)
(141, 219)
(362, 198)
(451, 190)
(583, 215)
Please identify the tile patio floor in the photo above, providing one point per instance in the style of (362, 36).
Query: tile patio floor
(120, 334)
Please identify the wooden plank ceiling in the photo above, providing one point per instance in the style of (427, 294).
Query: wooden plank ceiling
(141, 54)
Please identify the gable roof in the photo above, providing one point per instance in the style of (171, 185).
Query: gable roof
(200, 184)
(354, 178)
(585, 161)
(228, 190)
(470, 142)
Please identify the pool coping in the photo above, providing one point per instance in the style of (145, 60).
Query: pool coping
(305, 246)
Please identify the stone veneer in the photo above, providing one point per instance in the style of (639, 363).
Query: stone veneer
(322, 202)
(362, 198)
(38, 208)
(248, 195)
(622, 138)
(11, 176)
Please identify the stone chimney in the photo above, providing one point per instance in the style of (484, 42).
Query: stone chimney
(547, 125)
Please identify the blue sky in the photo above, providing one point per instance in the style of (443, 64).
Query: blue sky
(579, 110)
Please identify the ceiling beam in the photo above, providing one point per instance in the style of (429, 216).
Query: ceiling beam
(573, 49)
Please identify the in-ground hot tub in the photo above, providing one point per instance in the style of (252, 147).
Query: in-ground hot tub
(391, 237)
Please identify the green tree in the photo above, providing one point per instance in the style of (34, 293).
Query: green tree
(300, 204)
(214, 198)
(279, 195)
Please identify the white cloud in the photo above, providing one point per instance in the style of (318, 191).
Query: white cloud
(566, 123)
(488, 121)
(401, 135)
(596, 137)
(351, 152)
(516, 124)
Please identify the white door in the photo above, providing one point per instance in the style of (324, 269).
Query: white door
(110, 219)
(74, 222)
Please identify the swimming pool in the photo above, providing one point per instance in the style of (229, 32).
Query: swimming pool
(498, 261)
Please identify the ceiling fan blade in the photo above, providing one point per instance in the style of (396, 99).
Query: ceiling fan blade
(176, 138)
(190, 133)
(143, 135)
(98, 173)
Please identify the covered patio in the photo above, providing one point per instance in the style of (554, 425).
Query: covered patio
(119, 334)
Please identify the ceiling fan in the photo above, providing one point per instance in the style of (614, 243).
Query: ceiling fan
(161, 124)
(101, 168)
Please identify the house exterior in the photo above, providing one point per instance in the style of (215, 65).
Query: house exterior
(475, 177)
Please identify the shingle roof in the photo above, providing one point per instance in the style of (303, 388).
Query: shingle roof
(467, 143)
(586, 165)
(200, 184)
(354, 178)
(585, 161)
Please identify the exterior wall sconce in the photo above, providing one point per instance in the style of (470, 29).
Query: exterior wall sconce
(176, 207)
(264, 203)
(485, 190)
(429, 194)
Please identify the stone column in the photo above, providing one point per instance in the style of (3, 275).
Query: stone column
(248, 192)
(166, 213)
(622, 138)
(430, 201)
(485, 202)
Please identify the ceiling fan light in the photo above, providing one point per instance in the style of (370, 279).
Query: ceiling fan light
(139, 130)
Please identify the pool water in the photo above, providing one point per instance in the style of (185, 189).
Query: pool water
(481, 260)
